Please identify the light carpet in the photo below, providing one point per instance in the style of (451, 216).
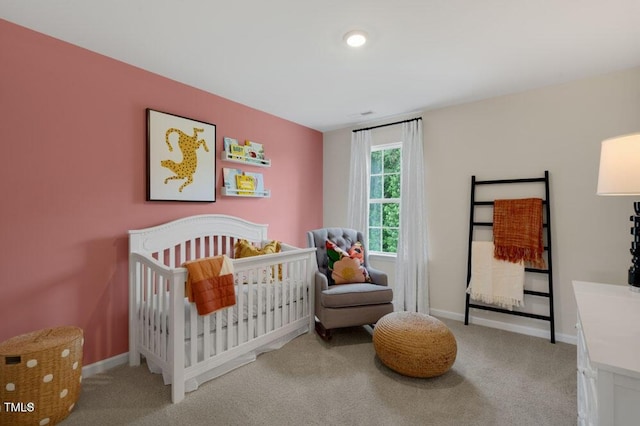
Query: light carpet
(498, 378)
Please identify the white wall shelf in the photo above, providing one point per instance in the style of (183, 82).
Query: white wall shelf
(235, 193)
(249, 161)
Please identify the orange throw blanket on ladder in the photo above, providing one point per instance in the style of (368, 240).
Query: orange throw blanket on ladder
(517, 231)
(210, 283)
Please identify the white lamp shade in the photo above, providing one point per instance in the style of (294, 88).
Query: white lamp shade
(620, 166)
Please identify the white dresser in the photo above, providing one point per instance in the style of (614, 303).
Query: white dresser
(608, 354)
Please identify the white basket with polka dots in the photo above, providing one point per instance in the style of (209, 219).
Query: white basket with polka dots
(40, 376)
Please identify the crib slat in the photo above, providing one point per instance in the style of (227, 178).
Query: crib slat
(200, 246)
(285, 308)
(296, 291)
(158, 331)
(229, 244)
(229, 329)
(254, 284)
(193, 330)
(263, 278)
(293, 282)
(139, 289)
(218, 348)
(182, 253)
(172, 257)
(154, 327)
(289, 288)
(240, 301)
(191, 254)
(277, 302)
(281, 304)
(164, 312)
(293, 314)
(206, 341)
(147, 308)
(302, 300)
(154, 317)
(268, 308)
(151, 304)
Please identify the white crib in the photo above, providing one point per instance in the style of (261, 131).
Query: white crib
(274, 300)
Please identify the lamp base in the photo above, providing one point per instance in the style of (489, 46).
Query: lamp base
(634, 270)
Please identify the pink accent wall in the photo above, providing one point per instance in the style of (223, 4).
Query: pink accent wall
(73, 181)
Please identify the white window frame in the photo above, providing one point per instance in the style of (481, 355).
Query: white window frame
(382, 147)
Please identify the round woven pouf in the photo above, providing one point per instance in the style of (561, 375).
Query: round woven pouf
(414, 344)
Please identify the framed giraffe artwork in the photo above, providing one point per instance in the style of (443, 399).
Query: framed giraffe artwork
(181, 161)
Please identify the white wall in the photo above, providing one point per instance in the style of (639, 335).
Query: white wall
(558, 129)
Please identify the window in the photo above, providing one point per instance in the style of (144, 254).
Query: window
(384, 198)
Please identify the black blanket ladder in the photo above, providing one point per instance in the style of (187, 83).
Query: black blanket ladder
(474, 225)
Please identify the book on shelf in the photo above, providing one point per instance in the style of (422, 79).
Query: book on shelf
(254, 151)
(246, 184)
(258, 180)
(236, 151)
(227, 141)
(229, 178)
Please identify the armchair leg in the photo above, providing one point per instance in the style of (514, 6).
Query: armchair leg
(323, 332)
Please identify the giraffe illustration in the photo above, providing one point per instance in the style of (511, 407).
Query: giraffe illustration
(188, 145)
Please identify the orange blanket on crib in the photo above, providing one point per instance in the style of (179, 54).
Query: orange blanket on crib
(517, 231)
(210, 283)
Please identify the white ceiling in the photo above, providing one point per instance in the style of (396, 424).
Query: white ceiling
(287, 57)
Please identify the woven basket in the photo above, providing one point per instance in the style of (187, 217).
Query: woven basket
(40, 376)
(414, 344)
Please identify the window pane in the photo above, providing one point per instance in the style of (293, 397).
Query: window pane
(376, 162)
(392, 186)
(390, 240)
(391, 215)
(375, 190)
(375, 214)
(384, 184)
(392, 160)
(375, 239)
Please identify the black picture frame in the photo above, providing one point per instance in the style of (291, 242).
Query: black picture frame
(181, 160)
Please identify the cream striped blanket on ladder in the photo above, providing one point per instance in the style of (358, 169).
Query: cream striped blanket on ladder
(494, 281)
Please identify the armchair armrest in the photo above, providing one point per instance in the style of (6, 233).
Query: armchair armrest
(322, 283)
(377, 276)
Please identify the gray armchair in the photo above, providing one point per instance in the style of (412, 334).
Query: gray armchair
(346, 305)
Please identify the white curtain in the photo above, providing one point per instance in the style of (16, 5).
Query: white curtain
(358, 202)
(411, 290)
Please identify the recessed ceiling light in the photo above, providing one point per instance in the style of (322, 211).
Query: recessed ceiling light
(355, 38)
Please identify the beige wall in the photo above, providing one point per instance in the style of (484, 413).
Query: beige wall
(558, 129)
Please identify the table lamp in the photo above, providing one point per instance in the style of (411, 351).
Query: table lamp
(620, 175)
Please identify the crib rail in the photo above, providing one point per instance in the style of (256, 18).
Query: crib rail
(273, 296)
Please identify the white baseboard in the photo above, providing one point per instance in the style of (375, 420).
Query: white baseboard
(529, 331)
(104, 365)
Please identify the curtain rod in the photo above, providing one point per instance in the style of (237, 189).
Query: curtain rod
(389, 124)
